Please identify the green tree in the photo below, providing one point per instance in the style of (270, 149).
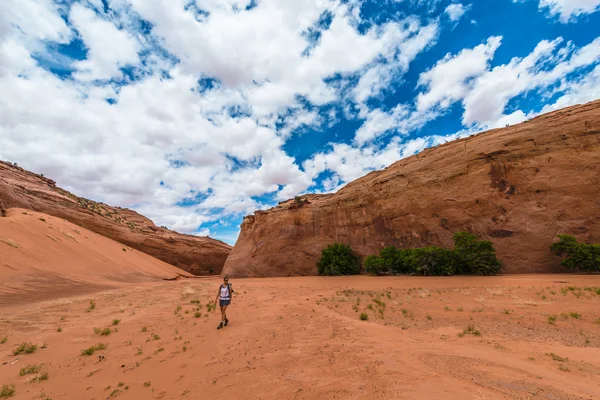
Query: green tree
(432, 261)
(477, 257)
(579, 256)
(338, 259)
(375, 265)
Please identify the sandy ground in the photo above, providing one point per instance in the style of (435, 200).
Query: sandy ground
(531, 337)
(44, 257)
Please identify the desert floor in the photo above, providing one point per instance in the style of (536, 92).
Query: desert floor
(505, 337)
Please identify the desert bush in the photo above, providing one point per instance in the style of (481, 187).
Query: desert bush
(375, 265)
(90, 350)
(579, 256)
(25, 348)
(30, 369)
(477, 257)
(469, 256)
(338, 259)
(7, 391)
(433, 261)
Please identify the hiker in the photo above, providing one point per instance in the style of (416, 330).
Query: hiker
(224, 296)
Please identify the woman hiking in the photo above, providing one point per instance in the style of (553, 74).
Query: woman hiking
(224, 295)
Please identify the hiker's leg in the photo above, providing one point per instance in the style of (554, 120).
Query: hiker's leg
(224, 313)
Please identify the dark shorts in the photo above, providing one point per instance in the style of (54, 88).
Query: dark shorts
(224, 302)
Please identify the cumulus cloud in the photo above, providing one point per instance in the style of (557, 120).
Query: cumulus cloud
(449, 80)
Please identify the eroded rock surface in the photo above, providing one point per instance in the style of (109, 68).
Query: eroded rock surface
(518, 186)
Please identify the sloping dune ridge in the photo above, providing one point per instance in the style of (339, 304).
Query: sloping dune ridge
(518, 186)
(44, 257)
(195, 254)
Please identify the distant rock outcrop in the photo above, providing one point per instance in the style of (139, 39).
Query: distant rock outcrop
(518, 186)
(23, 189)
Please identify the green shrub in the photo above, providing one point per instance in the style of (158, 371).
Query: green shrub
(338, 259)
(7, 391)
(364, 316)
(579, 256)
(476, 257)
(433, 261)
(375, 265)
(25, 348)
(469, 256)
(90, 350)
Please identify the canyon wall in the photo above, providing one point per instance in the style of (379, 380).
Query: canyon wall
(518, 186)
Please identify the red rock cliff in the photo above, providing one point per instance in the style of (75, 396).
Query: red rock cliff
(24, 189)
(519, 187)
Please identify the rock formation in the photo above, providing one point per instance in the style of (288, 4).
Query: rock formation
(518, 186)
(24, 189)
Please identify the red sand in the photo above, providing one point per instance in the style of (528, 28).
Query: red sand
(42, 257)
(300, 338)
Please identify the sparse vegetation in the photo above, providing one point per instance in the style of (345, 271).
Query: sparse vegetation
(597, 321)
(147, 384)
(30, 369)
(91, 306)
(364, 316)
(3, 340)
(197, 314)
(506, 311)
(575, 315)
(116, 321)
(557, 357)
(40, 377)
(470, 330)
(105, 332)
(564, 368)
(338, 259)
(552, 319)
(7, 391)
(90, 350)
(25, 348)
(144, 328)
(579, 256)
(59, 329)
(428, 317)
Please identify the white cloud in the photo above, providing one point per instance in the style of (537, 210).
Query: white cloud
(410, 40)
(449, 80)
(577, 92)
(569, 10)
(35, 19)
(109, 47)
(544, 66)
(455, 11)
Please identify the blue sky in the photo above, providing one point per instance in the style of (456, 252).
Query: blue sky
(196, 113)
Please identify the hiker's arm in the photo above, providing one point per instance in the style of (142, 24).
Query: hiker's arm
(218, 293)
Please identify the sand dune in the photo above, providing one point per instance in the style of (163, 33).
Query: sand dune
(302, 338)
(44, 257)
